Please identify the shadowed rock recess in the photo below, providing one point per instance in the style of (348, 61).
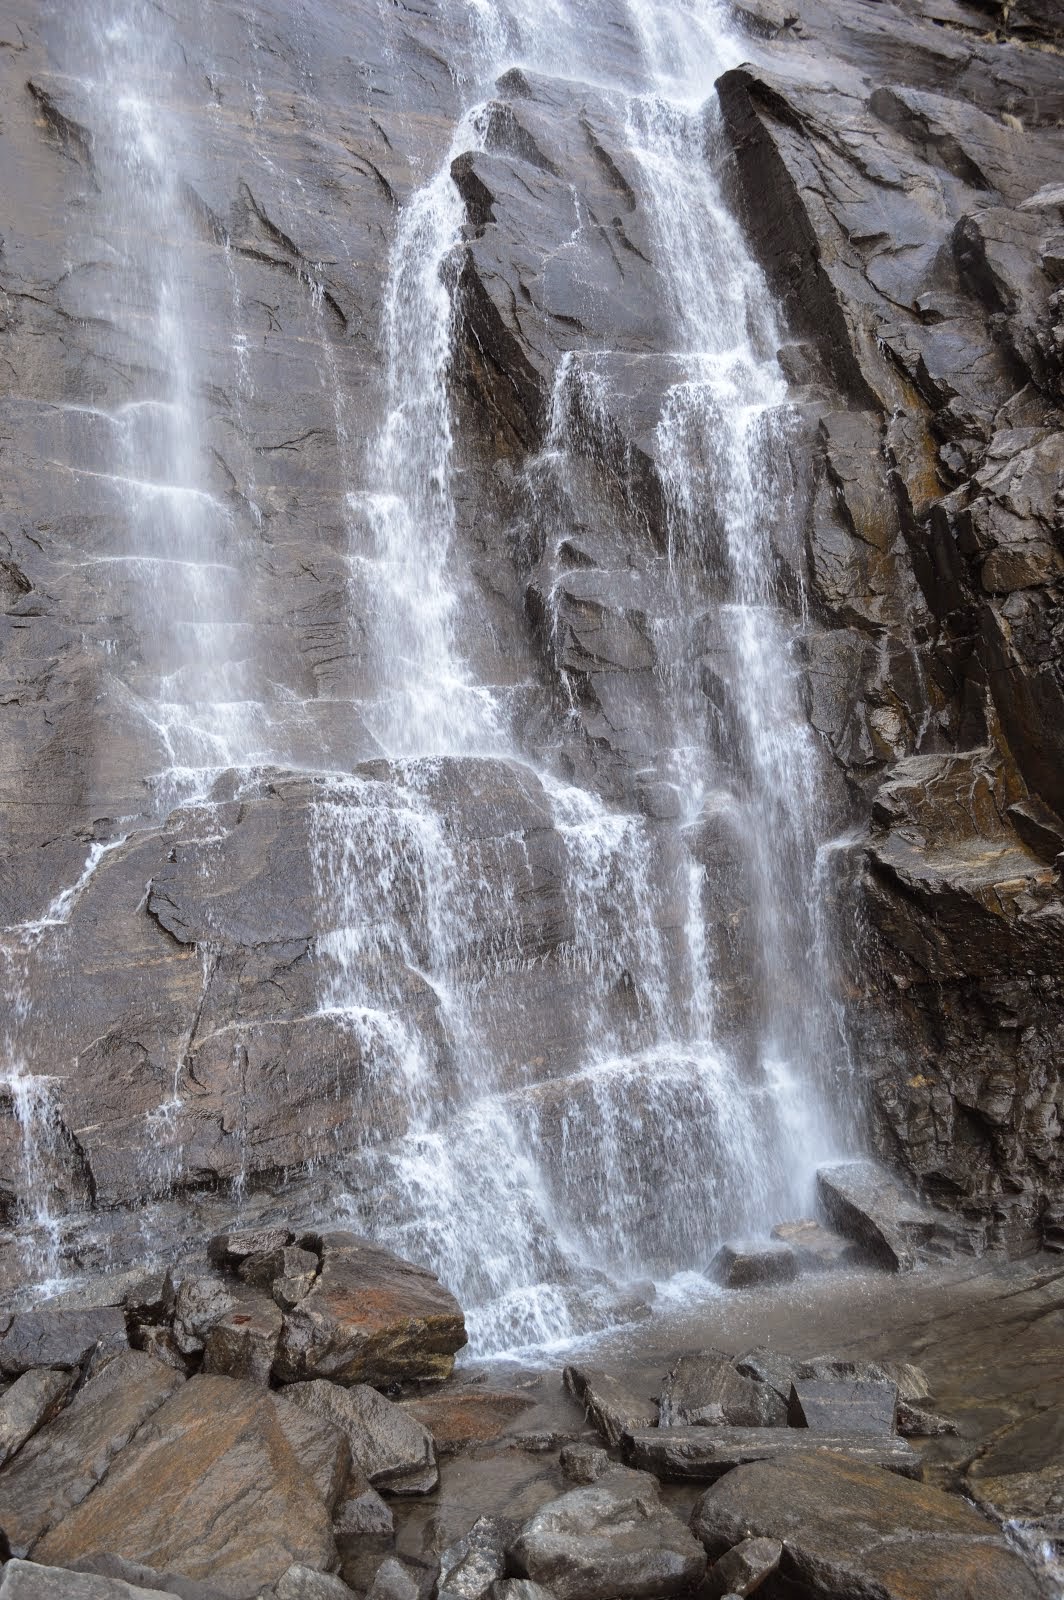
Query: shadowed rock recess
(531, 693)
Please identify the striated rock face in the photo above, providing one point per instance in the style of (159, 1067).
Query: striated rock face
(899, 171)
(436, 856)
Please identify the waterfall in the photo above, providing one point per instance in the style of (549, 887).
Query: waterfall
(594, 1029)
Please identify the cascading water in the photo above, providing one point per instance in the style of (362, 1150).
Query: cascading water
(469, 873)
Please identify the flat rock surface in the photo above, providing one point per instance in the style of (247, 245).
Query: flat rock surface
(56, 1337)
(705, 1389)
(855, 1532)
(31, 1401)
(370, 1318)
(226, 1484)
(467, 1416)
(706, 1453)
(609, 1402)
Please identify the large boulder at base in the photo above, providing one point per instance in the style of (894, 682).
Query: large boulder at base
(868, 1204)
(227, 1483)
(609, 1403)
(31, 1401)
(370, 1318)
(60, 1465)
(613, 1540)
(25, 1580)
(852, 1532)
(392, 1448)
(706, 1453)
(704, 1389)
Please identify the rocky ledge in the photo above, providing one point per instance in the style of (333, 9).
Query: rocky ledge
(267, 1430)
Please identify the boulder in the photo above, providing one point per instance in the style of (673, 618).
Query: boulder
(227, 1483)
(583, 1463)
(393, 1581)
(200, 1302)
(843, 1407)
(768, 1367)
(705, 1389)
(612, 1540)
(305, 1583)
(748, 1264)
(243, 1342)
(230, 1250)
(916, 1422)
(853, 1532)
(818, 1249)
(464, 1417)
(519, 1589)
(470, 1567)
(869, 1205)
(706, 1453)
(392, 1448)
(31, 1401)
(370, 1318)
(609, 1403)
(25, 1580)
(287, 1273)
(60, 1465)
(55, 1337)
(744, 1568)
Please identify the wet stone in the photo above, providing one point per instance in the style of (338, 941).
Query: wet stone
(393, 1581)
(243, 1343)
(609, 1403)
(390, 1446)
(817, 1248)
(744, 1568)
(200, 1303)
(229, 1250)
(304, 1583)
(705, 1389)
(705, 1454)
(291, 1267)
(871, 1207)
(46, 1337)
(753, 1264)
(25, 1580)
(32, 1400)
(843, 1407)
(583, 1463)
(469, 1568)
(465, 1417)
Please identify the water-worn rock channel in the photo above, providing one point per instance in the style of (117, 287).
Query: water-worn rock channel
(531, 739)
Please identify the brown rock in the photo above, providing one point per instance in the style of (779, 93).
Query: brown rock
(466, 1417)
(370, 1318)
(227, 1483)
(707, 1453)
(243, 1343)
(389, 1445)
(61, 1465)
(852, 1532)
(31, 1401)
(744, 1568)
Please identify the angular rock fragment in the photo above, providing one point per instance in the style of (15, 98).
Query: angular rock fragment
(370, 1318)
(843, 1407)
(470, 1567)
(916, 1422)
(47, 1337)
(705, 1389)
(226, 1484)
(31, 1401)
(583, 1463)
(744, 1568)
(59, 1466)
(704, 1454)
(393, 1581)
(287, 1273)
(243, 1343)
(304, 1583)
(608, 1402)
(390, 1446)
(613, 1540)
(748, 1264)
(852, 1532)
(768, 1367)
(519, 1589)
(362, 1513)
(200, 1303)
(867, 1204)
(230, 1250)
(25, 1580)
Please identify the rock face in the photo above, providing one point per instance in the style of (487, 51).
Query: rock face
(199, 869)
(705, 1454)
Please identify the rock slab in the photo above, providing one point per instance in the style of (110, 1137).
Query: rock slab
(707, 1453)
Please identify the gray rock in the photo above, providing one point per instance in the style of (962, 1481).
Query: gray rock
(842, 1407)
(393, 1581)
(705, 1454)
(243, 1342)
(390, 1446)
(747, 1264)
(57, 1338)
(768, 1367)
(613, 1540)
(305, 1583)
(705, 1389)
(31, 1401)
(230, 1250)
(871, 1207)
(744, 1568)
(470, 1567)
(519, 1589)
(916, 1422)
(818, 1249)
(199, 1304)
(288, 1273)
(25, 1580)
(583, 1463)
(608, 1402)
